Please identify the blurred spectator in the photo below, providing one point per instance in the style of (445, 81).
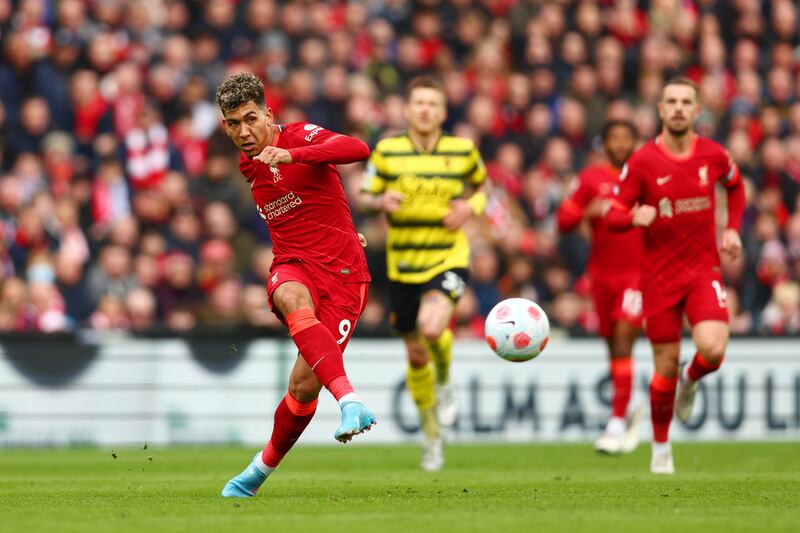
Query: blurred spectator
(121, 204)
(112, 275)
(141, 309)
(782, 314)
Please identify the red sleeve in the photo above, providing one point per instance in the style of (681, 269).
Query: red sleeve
(327, 147)
(731, 179)
(570, 212)
(618, 214)
(736, 203)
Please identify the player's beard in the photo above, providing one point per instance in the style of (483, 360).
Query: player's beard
(679, 132)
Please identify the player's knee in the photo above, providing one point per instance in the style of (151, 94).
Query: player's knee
(430, 331)
(292, 298)
(714, 351)
(667, 367)
(417, 356)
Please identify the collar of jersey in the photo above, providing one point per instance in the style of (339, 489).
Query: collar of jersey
(433, 150)
(672, 156)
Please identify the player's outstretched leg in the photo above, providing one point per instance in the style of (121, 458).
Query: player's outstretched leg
(441, 351)
(291, 419)
(323, 356)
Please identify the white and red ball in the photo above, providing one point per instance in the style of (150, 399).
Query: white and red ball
(517, 329)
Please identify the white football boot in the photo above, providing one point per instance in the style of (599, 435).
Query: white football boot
(610, 441)
(684, 396)
(630, 439)
(446, 405)
(661, 461)
(432, 454)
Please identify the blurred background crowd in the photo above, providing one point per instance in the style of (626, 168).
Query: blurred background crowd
(122, 207)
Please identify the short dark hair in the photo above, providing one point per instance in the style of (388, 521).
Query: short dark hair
(240, 89)
(424, 82)
(611, 124)
(681, 80)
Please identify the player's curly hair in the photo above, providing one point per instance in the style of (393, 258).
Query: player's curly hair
(240, 89)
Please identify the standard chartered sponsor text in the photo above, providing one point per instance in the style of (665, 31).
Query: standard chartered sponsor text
(285, 203)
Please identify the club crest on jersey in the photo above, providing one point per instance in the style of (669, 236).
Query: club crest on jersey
(276, 174)
(702, 173)
(665, 208)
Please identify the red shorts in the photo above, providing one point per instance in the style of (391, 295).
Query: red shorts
(338, 305)
(616, 299)
(703, 299)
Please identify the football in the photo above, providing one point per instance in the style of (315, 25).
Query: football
(517, 329)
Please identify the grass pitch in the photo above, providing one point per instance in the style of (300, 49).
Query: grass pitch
(719, 487)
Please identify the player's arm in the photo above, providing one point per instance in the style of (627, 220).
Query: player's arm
(373, 197)
(577, 205)
(325, 147)
(462, 209)
(734, 186)
(622, 211)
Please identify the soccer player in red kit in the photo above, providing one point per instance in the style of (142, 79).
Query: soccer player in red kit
(319, 277)
(615, 283)
(667, 188)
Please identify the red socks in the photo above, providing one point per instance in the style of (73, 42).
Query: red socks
(662, 400)
(291, 419)
(319, 349)
(699, 367)
(622, 378)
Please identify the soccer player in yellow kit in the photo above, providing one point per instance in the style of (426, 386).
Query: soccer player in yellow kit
(429, 184)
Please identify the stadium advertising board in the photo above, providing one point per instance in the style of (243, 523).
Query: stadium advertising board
(129, 391)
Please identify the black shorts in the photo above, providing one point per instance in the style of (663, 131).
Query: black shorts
(405, 297)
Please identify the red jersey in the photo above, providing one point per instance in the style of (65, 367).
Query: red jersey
(303, 202)
(680, 245)
(598, 181)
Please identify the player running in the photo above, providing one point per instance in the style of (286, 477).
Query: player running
(615, 283)
(319, 277)
(429, 184)
(667, 187)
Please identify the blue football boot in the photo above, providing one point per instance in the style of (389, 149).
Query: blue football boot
(246, 484)
(356, 418)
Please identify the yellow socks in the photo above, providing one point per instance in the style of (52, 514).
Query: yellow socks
(420, 383)
(441, 351)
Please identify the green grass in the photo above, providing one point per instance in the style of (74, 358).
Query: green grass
(719, 487)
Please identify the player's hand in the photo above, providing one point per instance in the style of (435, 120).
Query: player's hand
(731, 243)
(460, 212)
(644, 215)
(274, 156)
(362, 240)
(391, 200)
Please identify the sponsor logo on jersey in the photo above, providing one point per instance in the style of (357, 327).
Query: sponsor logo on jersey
(313, 130)
(454, 284)
(692, 205)
(282, 205)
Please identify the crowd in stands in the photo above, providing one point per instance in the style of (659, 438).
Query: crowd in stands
(122, 207)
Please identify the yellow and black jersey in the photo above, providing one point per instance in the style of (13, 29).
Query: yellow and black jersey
(419, 247)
